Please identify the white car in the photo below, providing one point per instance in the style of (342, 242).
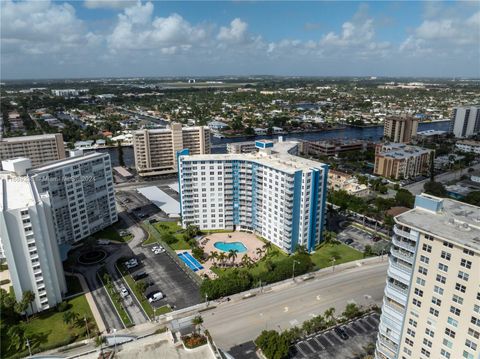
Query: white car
(131, 265)
(159, 250)
(155, 297)
(123, 292)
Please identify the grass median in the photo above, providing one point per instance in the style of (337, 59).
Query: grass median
(114, 296)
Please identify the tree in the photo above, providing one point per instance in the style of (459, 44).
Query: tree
(267, 247)
(141, 286)
(473, 198)
(330, 314)
(404, 198)
(232, 255)
(273, 344)
(21, 308)
(16, 336)
(245, 260)
(368, 252)
(192, 230)
(197, 322)
(121, 160)
(259, 252)
(435, 188)
(69, 317)
(213, 256)
(222, 257)
(351, 311)
(29, 297)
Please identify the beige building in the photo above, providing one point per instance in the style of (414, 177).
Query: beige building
(431, 307)
(400, 129)
(39, 149)
(398, 161)
(343, 181)
(156, 150)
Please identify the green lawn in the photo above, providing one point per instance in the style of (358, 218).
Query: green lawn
(47, 330)
(117, 303)
(173, 228)
(323, 255)
(73, 285)
(112, 234)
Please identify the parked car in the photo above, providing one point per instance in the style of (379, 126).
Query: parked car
(140, 275)
(349, 241)
(153, 220)
(341, 333)
(123, 291)
(376, 238)
(103, 241)
(156, 296)
(131, 263)
(158, 251)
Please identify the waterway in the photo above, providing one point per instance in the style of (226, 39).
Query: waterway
(219, 145)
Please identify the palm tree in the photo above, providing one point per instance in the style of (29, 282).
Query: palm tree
(16, 336)
(21, 308)
(197, 322)
(69, 317)
(214, 256)
(246, 260)
(221, 257)
(232, 255)
(29, 297)
(329, 314)
(267, 247)
(259, 252)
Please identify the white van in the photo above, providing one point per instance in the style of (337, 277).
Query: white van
(155, 297)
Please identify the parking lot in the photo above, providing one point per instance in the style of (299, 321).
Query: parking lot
(358, 238)
(329, 344)
(179, 289)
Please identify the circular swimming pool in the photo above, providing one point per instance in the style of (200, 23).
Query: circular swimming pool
(226, 247)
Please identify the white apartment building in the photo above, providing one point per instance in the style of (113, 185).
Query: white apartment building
(156, 150)
(431, 307)
(465, 121)
(468, 146)
(241, 147)
(39, 149)
(29, 242)
(277, 196)
(81, 194)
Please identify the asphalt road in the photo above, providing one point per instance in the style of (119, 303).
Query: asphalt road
(236, 323)
(417, 188)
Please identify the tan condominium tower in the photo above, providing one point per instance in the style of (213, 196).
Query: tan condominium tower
(431, 307)
(400, 129)
(39, 149)
(156, 150)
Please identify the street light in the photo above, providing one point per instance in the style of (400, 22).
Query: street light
(333, 263)
(86, 326)
(293, 268)
(115, 340)
(28, 345)
(206, 298)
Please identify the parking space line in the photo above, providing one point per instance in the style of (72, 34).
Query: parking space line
(318, 342)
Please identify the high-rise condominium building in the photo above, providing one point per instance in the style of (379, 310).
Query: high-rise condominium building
(277, 196)
(27, 233)
(400, 129)
(155, 150)
(465, 121)
(81, 194)
(431, 307)
(398, 160)
(39, 149)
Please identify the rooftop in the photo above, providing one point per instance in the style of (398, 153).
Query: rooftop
(15, 192)
(29, 138)
(283, 162)
(454, 221)
(400, 150)
(64, 162)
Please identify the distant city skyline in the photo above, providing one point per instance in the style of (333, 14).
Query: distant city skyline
(95, 38)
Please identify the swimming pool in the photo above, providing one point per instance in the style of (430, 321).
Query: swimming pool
(226, 247)
(190, 261)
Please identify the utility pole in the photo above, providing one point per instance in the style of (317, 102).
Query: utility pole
(333, 264)
(86, 326)
(293, 268)
(29, 349)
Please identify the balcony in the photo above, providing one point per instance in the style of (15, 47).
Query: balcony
(399, 275)
(393, 309)
(395, 292)
(405, 244)
(399, 254)
(401, 232)
(401, 267)
(383, 351)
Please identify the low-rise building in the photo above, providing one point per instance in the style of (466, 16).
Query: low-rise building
(334, 147)
(343, 181)
(468, 146)
(241, 147)
(400, 161)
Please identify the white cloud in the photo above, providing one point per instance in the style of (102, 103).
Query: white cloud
(108, 4)
(236, 32)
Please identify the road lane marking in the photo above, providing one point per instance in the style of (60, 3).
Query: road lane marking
(318, 297)
(285, 309)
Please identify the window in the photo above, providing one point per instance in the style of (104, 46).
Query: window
(422, 270)
(469, 252)
(427, 342)
(467, 355)
(412, 322)
(443, 267)
(452, 321)
(460, 287)
(450, 333)
(454, 310)
(425, 352)
(447, 244)
(441, 279)
(438, 290)
(466, 264)
(409, 342)
(427, 248)
(471, 344)
(463, 275)
(420, 281)
(429, 332)
(424, 259)
(476, 308)
(411, 332)
(473, 333)
(475, 321)
(417, 302)
(436, 301)
(419, 292)
(447, 343)
(457, 299)
(446, 255)
(445, 354)
(434, 311)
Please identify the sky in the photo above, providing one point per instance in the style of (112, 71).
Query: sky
(114, 38)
